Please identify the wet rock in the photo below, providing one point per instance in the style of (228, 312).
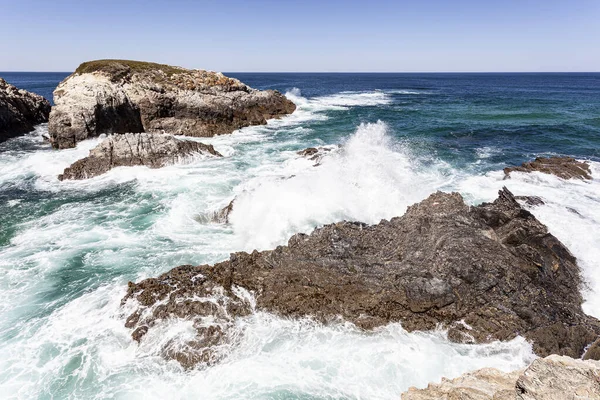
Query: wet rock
(20, 111)
(153, 150)
(118, 96)
(563, 167)
(531, 200)
(222, 216)
(551, 378)
(494, 268)
(593, 352)
(315, 153)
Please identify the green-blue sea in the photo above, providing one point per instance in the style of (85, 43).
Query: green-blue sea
(68, 249)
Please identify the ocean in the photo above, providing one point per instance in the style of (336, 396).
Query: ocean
(68, 249)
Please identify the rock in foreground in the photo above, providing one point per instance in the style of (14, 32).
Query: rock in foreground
(153, 150)
(20, 111)
(118, 96)
(483, 384)
(550, 378)
(487, 272)
(563, 167)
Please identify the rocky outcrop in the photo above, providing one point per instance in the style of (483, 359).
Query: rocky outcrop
(550, 378)
(20, 111)
(485, 273)
(117, 96)
(483, 384)
(559, 378)
(153, 150)
(563, 167)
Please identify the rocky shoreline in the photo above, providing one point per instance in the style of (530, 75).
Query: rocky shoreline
(20, 111)
(118, 96)
(483, 273)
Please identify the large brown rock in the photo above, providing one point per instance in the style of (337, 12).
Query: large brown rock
(153, 150)
(118, 96)
(20, 111)
(551, 378)
(490, 272)
(563, 167)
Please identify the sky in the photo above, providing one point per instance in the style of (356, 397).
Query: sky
(305, 36)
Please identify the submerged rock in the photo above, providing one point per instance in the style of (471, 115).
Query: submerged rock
(563, 167)
(20, 111)
(117, 96)
(222, 216)
(490, 272)
(316, 154)
(551, 378)
(153, 150)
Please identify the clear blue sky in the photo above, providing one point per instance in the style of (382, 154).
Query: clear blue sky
(310, 35)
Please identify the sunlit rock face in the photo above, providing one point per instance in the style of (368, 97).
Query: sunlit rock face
(118, 96)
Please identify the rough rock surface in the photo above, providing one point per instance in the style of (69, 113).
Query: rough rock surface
(117, 96)
(563, 167)
(559, 378)
(593, 352)
(551, 378)
(487, 272)
(20, 111)
(153, 150)
(483, 384)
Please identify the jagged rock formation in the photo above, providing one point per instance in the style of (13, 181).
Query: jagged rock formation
(487, 272)
(550, 378)
(153, 150)
(118, 96)
(20, 111)
(563, 167)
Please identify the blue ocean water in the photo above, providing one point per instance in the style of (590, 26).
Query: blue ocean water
(67, 249)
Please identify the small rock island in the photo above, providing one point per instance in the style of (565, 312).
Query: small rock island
(121, 96)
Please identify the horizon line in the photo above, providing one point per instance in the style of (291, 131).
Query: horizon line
(348, 72)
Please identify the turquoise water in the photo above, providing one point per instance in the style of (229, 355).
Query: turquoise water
(67, 249)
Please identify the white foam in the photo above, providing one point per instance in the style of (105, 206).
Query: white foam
(369, 179)
(83, 350)
(77, 345)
